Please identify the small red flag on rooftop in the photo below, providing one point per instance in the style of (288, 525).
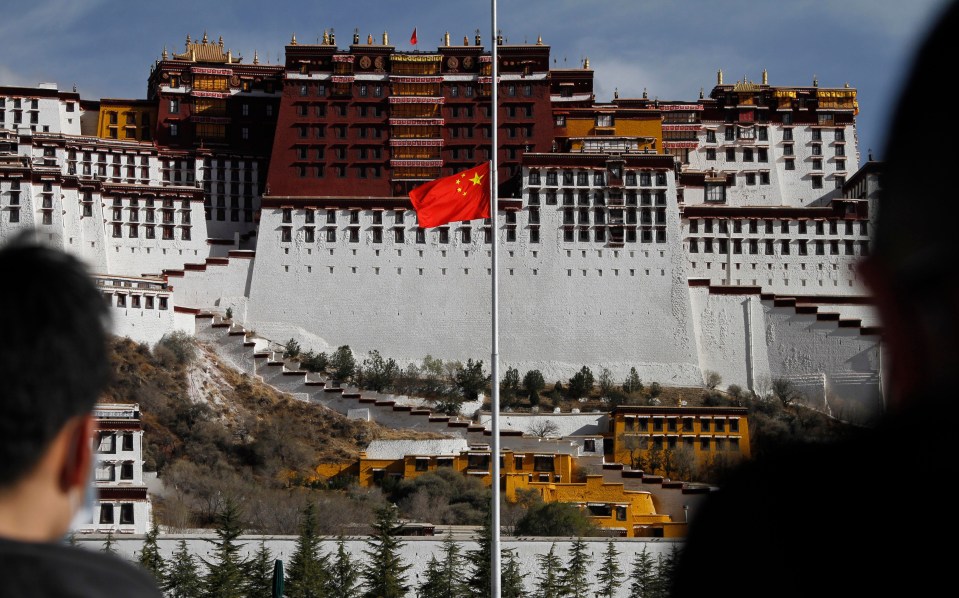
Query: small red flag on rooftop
(413, 37)
(463, 196)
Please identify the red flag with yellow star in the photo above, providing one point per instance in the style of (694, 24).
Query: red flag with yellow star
(463, 196)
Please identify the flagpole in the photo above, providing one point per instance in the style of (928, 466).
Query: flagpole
(494, 356)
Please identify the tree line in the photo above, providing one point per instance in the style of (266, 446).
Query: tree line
(382, 572)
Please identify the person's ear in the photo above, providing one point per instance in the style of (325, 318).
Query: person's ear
(76, 462)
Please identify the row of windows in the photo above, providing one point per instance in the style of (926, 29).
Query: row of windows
(802, 227)
(125, 513)
(234, 215)
(107, 441)
(135, 302)
(582, 197)
(174, 108)
(705, 443)
(581, 178)
(106, 472)
(672, 424)
(785, 246)
(149, 215)
(149, 232)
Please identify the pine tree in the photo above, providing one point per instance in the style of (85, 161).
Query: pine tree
(344, 574)
(384, 574)
(548, 584)
(182, 579)
(573, 580)
(665, 569)
(643, 576)
(224, 577)
(150, 558)
(306, 575)
(511, 581)
(108, 546)
(480, 560)
(445, 578)
(609, 572)
(258, 573)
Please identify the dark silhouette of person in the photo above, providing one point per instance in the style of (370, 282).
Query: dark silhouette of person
(867, 515)
(53, 366)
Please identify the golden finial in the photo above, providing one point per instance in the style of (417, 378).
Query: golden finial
(326, 38)
(256, 57)
(229, 56)
(539, 40)
(719, 77)
(205, 38)
(446, 39)
(815, 81)
(386, 38)
(192, 54)
(586, 63)
(466, 40)
(765, 77)
(165, 55)
(369, 40)
(293, 40)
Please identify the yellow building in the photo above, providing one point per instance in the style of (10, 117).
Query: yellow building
(628, 513)
(677, 441)
(606, 128)
(129, 120)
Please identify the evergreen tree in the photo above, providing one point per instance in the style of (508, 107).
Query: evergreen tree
(108, 546)
(665, 569)
(609, 572)
(259, 574)
(643, 576)
(342, 580)
(445, 578)
(480, 560)
(306, 575)
(182, 579)
(548, 584)
(511, 582)
(150, 558)
(384, 573)
(573, 579)
(224, 576)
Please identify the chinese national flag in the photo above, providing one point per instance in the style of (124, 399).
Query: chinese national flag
(413, 37)
(463, 196)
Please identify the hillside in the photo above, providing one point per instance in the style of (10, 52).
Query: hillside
(212, 434)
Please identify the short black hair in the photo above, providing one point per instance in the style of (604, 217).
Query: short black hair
(53, 352)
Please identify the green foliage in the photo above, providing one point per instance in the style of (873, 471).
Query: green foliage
(581, 384)
(665, 570)
(108, 544)
(342, 364)
(377, 373)
(443, 496)
(480, 582)
(182, 579)
(314, 362)
(224, 577)
(511, 580)
(784, 390)
(509, 387)
(632, 383)
(554, 519)
(229, 313)
(643, 580)
(291, 350)
(444, 579)
(471, 379)
(431, 382)
(610, 573)
(573, 578)
(258, 574)
(533, 383)
(605, 382)
(306, 577)
(150, 557)
(344, 575)
(548, 583)
(384, 573)
(177, 348)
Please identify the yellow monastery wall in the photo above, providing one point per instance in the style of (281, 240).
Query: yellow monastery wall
(125, 121)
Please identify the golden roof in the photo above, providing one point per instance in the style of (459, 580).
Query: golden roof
(745, 87)
(205, 51)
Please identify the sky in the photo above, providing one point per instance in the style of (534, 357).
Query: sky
(670, 48)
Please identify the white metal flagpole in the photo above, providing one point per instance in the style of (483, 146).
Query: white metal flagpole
(494, 356)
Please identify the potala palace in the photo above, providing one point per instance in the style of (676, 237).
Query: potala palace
(719, 233)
